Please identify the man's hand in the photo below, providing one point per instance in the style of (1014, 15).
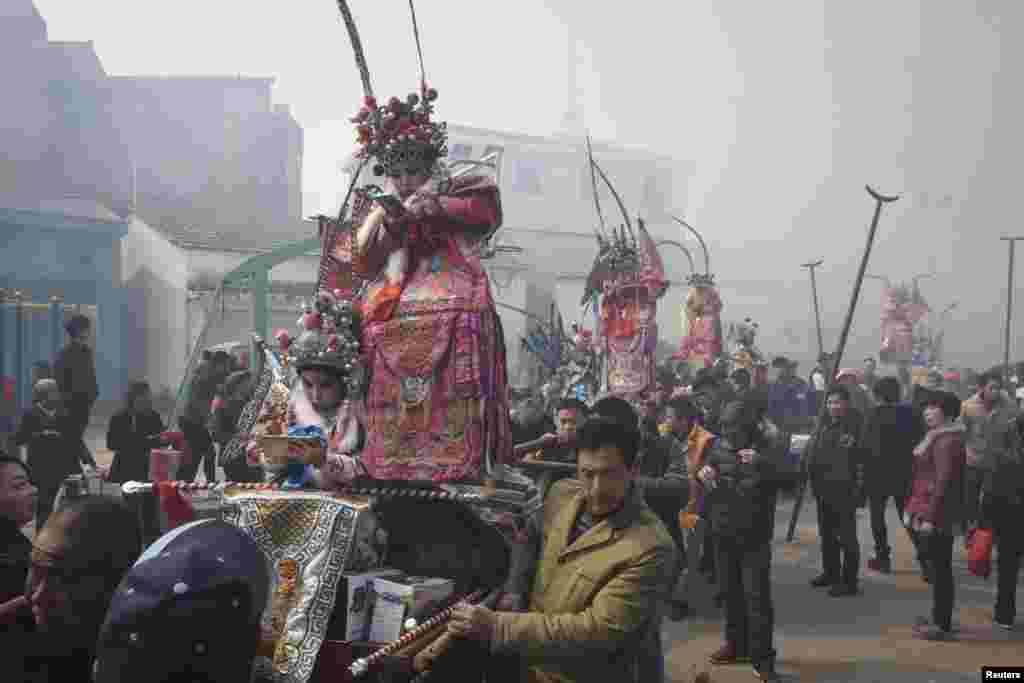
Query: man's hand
(748, 456)
(534, 456)
(473, 623)
(709, 477)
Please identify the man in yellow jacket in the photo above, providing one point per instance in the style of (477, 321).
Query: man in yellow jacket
(606, 563)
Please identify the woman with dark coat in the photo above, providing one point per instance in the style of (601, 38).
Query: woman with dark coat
(132, 433)
(935, 506)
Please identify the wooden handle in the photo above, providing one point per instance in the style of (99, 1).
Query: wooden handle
(425, 640)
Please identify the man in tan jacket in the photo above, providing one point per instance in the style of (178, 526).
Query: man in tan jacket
(606, 563)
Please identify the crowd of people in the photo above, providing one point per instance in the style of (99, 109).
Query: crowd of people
(686, 483)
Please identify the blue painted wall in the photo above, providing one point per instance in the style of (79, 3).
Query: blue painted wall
(51, 253)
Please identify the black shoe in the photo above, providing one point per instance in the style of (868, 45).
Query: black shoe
(823, 580)
(840, 590)
(765, 672)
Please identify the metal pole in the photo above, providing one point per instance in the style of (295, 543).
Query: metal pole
(1009, 307)
(817, 312)
(840, 347)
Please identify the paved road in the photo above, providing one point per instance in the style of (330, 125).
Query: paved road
(859, 639)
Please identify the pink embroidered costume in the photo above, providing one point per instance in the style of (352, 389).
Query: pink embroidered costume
(628, 278)
(702, 322)
(436, 403)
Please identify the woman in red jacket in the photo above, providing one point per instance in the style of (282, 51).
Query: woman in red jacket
(935, 506)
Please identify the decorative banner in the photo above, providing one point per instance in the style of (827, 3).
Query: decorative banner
(306, 537)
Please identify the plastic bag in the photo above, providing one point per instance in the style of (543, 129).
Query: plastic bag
(979, 554)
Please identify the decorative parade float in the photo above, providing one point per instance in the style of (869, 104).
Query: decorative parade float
(702, 323)
(383, 427)
(625, 283)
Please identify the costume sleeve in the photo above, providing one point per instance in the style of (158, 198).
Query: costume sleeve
(478, 209)
(624, 606)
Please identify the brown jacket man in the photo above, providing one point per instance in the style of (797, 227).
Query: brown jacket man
(606, 564)
(593, 599)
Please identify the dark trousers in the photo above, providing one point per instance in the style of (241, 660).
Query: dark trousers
(744, 574)
(937, 547)
(77, 423)
(1006, 520)
(837, 529)
(973, 479)
(200, 444)
(879, 531)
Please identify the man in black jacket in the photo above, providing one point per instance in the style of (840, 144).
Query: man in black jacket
(892, 433)
(836, 469)
(741, 476)
(75, 372)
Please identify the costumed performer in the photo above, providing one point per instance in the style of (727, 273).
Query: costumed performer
(437, 403)
(322, 400)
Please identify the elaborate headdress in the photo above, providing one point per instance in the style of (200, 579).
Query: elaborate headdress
(328, 338)
(400, 135)
(622, 252)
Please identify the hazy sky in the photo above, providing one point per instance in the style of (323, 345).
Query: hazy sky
(786, 110)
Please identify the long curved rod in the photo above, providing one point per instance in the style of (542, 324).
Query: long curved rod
(679, 245)
(419, 50)
(357, 47)
(618, 199)
(593, 185)
(703, 245)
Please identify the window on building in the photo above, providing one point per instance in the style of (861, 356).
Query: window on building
(459, 151)
(526, 177)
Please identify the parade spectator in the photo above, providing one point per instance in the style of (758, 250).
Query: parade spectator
(691, 445)
(52, 442)
(188, 610)
(75, 372)
(77, 560)
(860, 399)
(836, 469)
(569, 415)
(819, 374)
(991, 439)
(710, 395)
(193, 422)
(789, 401)
(596, 527)
(17, 506)
(892, 432)
(1002, 511)
(529, 421)
(132, 433)
(741, 477)
(869, 375)
(935, 504)
(230, 401)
